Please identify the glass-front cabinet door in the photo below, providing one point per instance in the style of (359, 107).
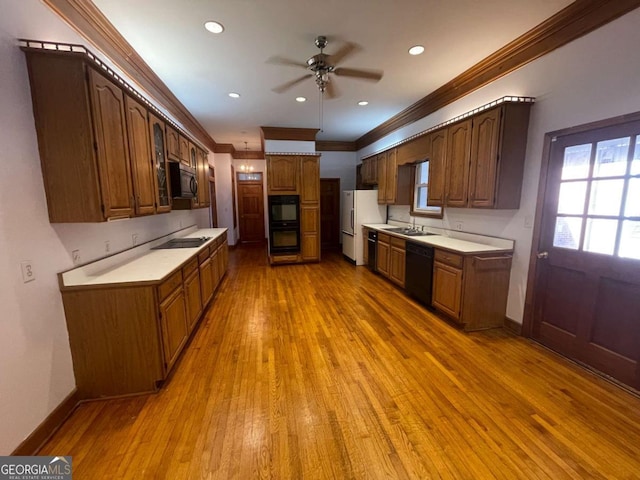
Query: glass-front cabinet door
(159, 150)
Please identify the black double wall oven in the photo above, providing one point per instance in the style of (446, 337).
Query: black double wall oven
(284, 224)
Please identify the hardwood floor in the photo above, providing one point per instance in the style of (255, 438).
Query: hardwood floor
(327, 371)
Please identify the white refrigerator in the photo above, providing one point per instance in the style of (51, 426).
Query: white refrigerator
(358, 207)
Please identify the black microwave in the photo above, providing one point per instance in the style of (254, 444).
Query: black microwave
(184, 182)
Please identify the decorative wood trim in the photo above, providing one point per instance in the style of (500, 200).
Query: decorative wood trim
(570, 23)
(225, 148)
(513, 326)
(283, 133)
(335, 146)
(50, 425)
(90, 22)
(248, 155)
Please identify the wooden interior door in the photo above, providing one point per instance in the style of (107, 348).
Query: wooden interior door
(251, 208)
(586, 299)
(330, 213)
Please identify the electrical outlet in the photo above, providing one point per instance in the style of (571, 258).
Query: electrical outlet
(76, 257)
(28, 275)
(107, 246)
(134, 239)
(457, 225)
(528, 221)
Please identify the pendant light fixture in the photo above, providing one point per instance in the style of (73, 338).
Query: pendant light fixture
(245, 167)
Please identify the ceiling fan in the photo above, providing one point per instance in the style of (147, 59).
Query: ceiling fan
(322, 64)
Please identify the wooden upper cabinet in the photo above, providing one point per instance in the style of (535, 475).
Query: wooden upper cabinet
(458, 158)
(381, 161)
(415, 151)
(369, 171)
(108, 114)
(498, 148)
(184, 150)
(437, 167)
(173, 144)
(282, 174)
(157, 137)
(394, 182)
(310, 180)
(391, 177)
(203, 178)
(484, 154)
(142, 168)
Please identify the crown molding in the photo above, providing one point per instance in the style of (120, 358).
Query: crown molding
(239, 154)
(283, 133)
(84, 17)
(335, 146)
(570, 23)
(225, 148)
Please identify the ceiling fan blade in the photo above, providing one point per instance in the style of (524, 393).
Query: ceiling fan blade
(343, 52)
(373, 75)
(286, 86)
(331, 91)
(277, 60)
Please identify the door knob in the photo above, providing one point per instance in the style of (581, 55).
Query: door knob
(543, 255)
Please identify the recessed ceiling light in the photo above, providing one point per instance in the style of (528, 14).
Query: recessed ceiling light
(214, 27)
(416, 50)
(301, 99)
(362, 103)
(234, 95)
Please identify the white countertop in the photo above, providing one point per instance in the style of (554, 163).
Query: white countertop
(140, 264)
(447, 242)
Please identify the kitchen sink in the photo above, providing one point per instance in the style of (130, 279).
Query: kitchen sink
(409, 232)
(182, 243)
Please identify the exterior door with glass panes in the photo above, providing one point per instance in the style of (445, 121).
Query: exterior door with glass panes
(587, 291)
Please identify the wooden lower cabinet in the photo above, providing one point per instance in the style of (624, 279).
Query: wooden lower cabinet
(173, 325)
(193, 298)
(390, 257)
(397, 260)
(447, 289)
(383, 254)
(310, 233)
(125, 339)
(472, 289)
(206, 280)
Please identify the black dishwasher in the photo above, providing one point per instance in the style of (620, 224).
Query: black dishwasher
(419, 271)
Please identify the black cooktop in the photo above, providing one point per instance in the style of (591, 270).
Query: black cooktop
(182, 243)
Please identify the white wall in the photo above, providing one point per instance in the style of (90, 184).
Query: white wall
(224, 195)
(340, 165)
(593, 78)
(35, 362)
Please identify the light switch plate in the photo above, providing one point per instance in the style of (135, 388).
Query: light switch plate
(28, 275)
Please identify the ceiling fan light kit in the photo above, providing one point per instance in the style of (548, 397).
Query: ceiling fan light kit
(322, 65)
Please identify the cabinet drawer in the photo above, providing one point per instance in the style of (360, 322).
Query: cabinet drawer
(169, 285)
(384, 238)
(190, 267)
(498, 262)
(398, 242)
(449, 258)
(203, 255)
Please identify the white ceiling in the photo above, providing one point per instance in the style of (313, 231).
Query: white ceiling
(201, 68)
